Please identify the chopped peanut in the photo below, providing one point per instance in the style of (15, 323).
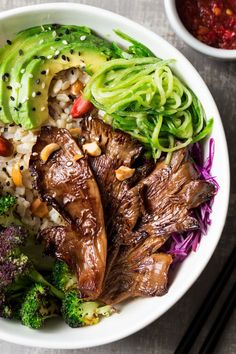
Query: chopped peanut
(39, 208)
(124, 172)
(78, 157)
(76, 88)
(17, 176)
(75, 132)
(48, 150)
(229, 12)
(92, 149)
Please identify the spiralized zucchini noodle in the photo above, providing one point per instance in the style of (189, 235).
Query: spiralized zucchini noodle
(143, 97)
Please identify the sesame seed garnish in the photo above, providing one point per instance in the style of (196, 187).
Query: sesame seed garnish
(64, 42)
(82, 38)
(49, 57)
(38, 93)
(56, 39)
(12, 98)
(20, 105)
(41, 41)
(35, 57)
(57, 52)
(31, 76)
(71, 51)
(47, 71)
(63, 57)
(16, 109)
(37, 81)
(78, 53)
(67, 31)
(54, 33)
(42, 57)
(9, 87)
(43, 109)
(55, 56)
(52, 48)
(60, 34)
(69, 163)
(5, 77)
(20, 52)
(43, 72)
(43, 85)
(9, 42)
(21, 168)
(34, 109)
(22, 71)
(68, 59)
(34, 94)
(0, 108)
(34, 153)
(17, 85)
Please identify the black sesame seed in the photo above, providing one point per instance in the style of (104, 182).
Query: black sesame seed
(37, 81)
(56, 56)
(63, 57)
(43, 72)
(35, 57)
(20, 105)
(11, 125)
(21, 168)
(12, 98)
(67, 31)
(78, 53)
(38, 93)
(72, 72)
(7, 75)
(9, 87)
(5, 129)
(16, 109)
(60, 34)
(21, 52)
(68, 59)
(4, 169)
(55, 25)
(34, 109)
(70, 97)
(71, 51)
(42, 57)
(9, 42)
(56, 39)
(0, 108)
(8, 184)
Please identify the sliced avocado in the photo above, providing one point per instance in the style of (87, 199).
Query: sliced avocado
(42, 52)
(46, 43)
(37, 78)
(8, 55)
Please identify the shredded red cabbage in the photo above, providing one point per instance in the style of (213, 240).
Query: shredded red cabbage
(182, 244)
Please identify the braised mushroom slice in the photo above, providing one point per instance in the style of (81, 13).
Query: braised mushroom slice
(68, 185)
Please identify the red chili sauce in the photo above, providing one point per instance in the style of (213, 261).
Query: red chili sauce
(211, 21)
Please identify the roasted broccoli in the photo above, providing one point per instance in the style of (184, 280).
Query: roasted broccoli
(63, 278)
(79, 313)
(37, 306)
(6, 203)
(16, 270)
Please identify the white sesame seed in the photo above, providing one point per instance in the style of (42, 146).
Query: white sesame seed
(22, 71)
(64, 42)
(31, 76)
(34, 94)
(49, 28)
(57, 52)
(25, 99)
(54, 33)
(49, 56)
(17, 85)
(42, 109)
(82, 38)
(41, 41)
(47, 71)
(69, 163)
(43, 85)
(34, 153)
(52, 48)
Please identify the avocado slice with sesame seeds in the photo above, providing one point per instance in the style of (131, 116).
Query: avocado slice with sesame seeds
(49, 49)
(8, 55)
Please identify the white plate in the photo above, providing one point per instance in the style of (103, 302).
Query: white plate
(138, 313)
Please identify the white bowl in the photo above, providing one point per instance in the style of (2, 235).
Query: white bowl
(187, 37)
(137, 313)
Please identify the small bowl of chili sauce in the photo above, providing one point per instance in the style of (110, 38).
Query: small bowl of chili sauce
(208, 26)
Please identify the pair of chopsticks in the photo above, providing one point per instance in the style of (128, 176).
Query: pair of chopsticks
(205, 309)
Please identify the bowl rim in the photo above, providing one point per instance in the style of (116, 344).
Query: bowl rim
(179, 28)
(14, 337)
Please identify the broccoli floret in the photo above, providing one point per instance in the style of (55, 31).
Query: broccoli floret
(17, 272)
(63, 278)
(38, 306)
(79, 313)
(6, 203)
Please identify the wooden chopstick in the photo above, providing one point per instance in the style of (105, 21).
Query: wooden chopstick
(205, 309)
(220, 322)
